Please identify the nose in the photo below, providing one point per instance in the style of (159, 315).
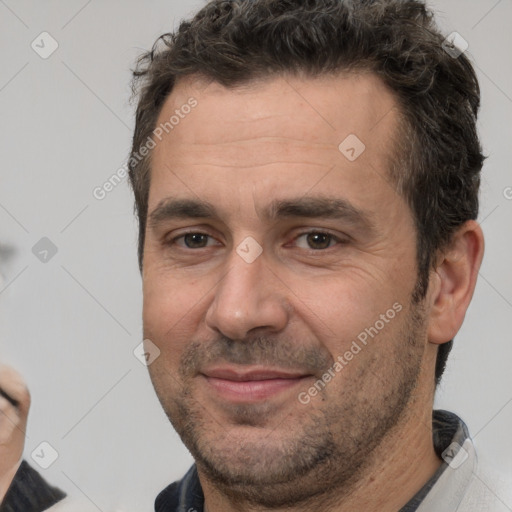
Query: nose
(248, 297)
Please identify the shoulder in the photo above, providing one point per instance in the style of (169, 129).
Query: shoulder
(488, 491)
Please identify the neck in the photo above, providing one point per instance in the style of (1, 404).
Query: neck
(401, 466)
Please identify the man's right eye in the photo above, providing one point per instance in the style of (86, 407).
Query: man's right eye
(193, 240)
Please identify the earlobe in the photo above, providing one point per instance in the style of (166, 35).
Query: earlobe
(453, 282)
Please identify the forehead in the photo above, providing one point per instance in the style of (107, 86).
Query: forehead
(320, 107)
(282, 132)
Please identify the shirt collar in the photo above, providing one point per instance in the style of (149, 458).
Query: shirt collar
(453, 444)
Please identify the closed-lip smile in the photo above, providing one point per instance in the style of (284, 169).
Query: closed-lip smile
(244, 384)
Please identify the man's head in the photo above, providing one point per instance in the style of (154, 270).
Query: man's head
(305, 224)
(436, 154)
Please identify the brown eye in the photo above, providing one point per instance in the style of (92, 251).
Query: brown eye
(193, 240)
(319, 240)
(316, 240)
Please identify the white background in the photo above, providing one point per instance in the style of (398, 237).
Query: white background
(70, 325)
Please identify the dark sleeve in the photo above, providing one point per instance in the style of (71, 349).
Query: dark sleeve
(29, 492)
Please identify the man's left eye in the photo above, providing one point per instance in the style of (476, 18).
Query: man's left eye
(316, 240)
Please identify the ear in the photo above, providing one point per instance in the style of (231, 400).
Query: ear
(453, 281)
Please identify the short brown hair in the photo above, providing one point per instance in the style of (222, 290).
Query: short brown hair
(438, 158)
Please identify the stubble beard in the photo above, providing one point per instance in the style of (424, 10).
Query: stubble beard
(316, 456)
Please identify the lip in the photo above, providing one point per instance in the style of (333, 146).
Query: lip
(249, 385)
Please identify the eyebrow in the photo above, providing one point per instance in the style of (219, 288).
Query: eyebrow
(302, 207)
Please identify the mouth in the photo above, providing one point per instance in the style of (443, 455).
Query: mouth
(240, 384)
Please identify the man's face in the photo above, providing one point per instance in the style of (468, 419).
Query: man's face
(271, 255)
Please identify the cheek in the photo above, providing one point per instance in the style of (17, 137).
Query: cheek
(172, 310)
(341, 308)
